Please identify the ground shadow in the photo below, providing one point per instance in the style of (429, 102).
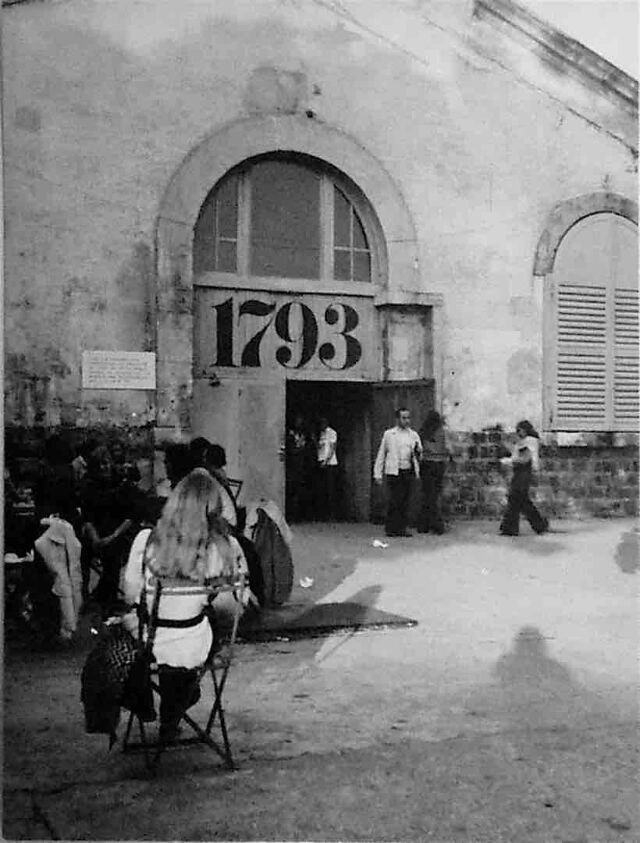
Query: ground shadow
(528, 664)
(529, 689)
(627, 553)
(324, 618)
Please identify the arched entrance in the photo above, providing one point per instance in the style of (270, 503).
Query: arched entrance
(255, 307)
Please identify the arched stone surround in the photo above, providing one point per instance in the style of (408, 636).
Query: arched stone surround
(567, 213)
(182, 201)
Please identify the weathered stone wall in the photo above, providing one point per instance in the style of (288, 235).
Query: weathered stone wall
(481, 134)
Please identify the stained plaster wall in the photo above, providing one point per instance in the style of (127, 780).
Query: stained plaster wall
(470, 124)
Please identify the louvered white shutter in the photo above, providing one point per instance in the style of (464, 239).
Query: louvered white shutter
(581, 376)
(593, 300)
(625, 387)
(625, 328)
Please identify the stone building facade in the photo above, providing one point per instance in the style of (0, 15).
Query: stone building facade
(322, 207)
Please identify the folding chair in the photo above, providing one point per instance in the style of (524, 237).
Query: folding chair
(217, 666)
(235, 487)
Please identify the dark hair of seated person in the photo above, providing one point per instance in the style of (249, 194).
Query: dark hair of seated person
(199, 451)
(216, 456)
(178, 462)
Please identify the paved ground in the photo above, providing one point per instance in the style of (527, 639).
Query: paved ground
(508, 714)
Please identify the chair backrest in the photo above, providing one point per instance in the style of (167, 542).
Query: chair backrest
(234, 585)
(235, 487)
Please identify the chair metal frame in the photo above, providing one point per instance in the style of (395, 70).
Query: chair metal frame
(236, 487)
(217, 665)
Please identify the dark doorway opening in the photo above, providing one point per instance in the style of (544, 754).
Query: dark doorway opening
(347, 407)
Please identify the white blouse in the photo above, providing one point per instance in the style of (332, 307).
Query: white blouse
(533, 446)
(179, 647)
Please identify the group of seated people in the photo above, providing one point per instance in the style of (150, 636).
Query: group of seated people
(185, 548)
(90, 515)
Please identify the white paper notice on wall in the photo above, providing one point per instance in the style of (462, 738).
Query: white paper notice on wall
(118, 370)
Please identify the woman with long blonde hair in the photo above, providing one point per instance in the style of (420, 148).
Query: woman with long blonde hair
(191, 531)
(189, 547)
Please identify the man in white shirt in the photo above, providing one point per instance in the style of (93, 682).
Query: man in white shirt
(398, 463)
(327, 471)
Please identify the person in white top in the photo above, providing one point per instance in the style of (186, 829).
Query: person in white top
(188, 550)
(327, 472)
(398, 463)
(525, 461)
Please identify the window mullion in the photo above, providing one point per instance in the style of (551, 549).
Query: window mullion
(326, 229)
(352, 241)
(244, 223)
(610, 341)
(550, 352)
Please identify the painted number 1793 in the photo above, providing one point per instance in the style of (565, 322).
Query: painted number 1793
(296, 325)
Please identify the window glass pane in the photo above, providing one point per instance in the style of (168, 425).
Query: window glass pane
(359, 237)
(342, 264)
(227, 201)
(204, 239)
(285, 220)
(341, 219)
(226, 256)
(361, 266)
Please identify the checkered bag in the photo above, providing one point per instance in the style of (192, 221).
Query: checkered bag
(104, 678)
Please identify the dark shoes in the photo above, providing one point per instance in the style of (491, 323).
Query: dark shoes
(540, 532)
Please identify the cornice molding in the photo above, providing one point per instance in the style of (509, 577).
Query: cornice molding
(562, 52)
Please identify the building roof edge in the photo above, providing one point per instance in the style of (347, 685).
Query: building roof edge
(562, 51)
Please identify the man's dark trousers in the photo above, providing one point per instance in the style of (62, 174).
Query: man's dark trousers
(431, 478)
(398, 497)
(327, 492)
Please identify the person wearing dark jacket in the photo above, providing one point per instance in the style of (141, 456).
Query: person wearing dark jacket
(432, 468)
(54, 491)
(300, 457)
(109, 524)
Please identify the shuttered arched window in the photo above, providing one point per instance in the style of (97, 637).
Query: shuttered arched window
(591, 342)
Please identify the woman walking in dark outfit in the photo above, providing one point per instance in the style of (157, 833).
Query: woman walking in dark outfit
(525, 462)
(432, 468)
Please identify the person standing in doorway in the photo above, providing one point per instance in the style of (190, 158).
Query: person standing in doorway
(299, 474)
(398, 463)
(432, 468)
(525, 462)
(327, 471)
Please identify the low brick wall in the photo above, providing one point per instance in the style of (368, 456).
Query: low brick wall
(595, 478)
(598, 477)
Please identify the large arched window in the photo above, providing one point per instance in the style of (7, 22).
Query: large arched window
(591, 341)
(287, 216)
